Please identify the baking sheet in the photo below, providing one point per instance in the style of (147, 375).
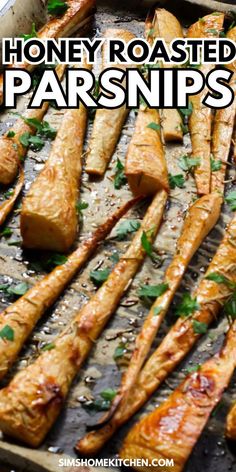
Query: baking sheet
(100, 371)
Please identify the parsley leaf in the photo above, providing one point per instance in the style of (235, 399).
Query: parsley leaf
(152, 291)
(199, 327)
(187, 163)
(154, 126)
(10, 134)
(26, 139)
(48, 347)
(216, 164)
(186, 111)
(220, 279)
(31, 35)
(127, 227)
(56, 260)
(193, 368)
(157, 310)
(19, 289)
(6, 233)
(231, 200)
(187, 306)
(80, 206)
(119, 351)
(7, 333)
(176, 181)
(230, 307)
(146, 244)
(103, 403)
(99, 276)
(57, 7)
(120, 178)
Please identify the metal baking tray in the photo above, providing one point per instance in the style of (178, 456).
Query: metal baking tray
(212, 453)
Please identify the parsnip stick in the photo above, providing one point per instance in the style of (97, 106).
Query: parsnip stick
(223, 131)
(32, 401)
(7, 206)
(145, 165)
(107, 123)
(200, 220)
(176, 344)
(172, 430)
(11, 149)
(22, 315)
(200, 119)
(49, 218)
(75, 16)
(162, 24)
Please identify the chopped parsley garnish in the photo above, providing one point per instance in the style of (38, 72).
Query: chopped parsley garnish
(154, 126)
(6, 233)
(31, 35)
(127, 227)
(27, 139)
(176, 181)
(186, 111)
(80, 206)
(187, 163)
(120, 178)
(57, 7)
(152, 291)
(199, 327)
(56, 260)
(193, 368)
(10, 134)
(221, 279)
(216, 164)
(119, 351)
(99, 276)
(48, 347)
(230, 307)
(103, 403)
(187, 306)
(7, 333)
(231, 200)
(157, 310)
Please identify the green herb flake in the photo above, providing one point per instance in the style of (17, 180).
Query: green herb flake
(176, 181)
(56, 260)
(80, 206)
(7, 333)
(187, 306)
(231, 200)
(230, 307)
(216, 164)
(48, 347)
(10, 134)
(154, 126)
(31, 35)
(108, 394)
(193, 368)
(186, 111)
(199, 327)
(57, 7)
(187, 163)
(120, 178)
(19, 289)
(6, 233)
(119, 351)
(221, 279)
(157, 310)
(99, 276)
(152, 291)
(127, 227)
(103, 403)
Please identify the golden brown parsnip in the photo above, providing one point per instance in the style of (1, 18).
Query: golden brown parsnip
(7, 206)
(107, 124)
(200, 120)
(145, 165)
(202, 217)
(161, 23)
(223, 130)
(32, 401)
(76, 15)
(49, 218)
(22, 315)
(11, 149)
(172, 430)
(175, 346)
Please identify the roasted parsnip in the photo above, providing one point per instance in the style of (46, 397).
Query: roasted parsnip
(22, 315)
(200, 220)
(230, 430)
(33, 399)
(161, 23)
(107, 123)
(172, 430)
(145, 165)
(200, 120)
(75, 17)
(223, 131)
(49, 217)
(176, 344)
(11, 149)
(7, 206)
